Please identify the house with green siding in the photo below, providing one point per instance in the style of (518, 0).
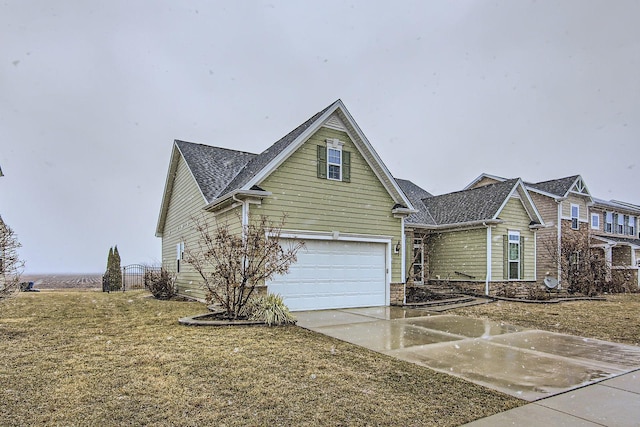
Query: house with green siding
(564, 204)
(338, 197)
(481, 240)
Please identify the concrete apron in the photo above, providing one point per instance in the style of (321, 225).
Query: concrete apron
(525, 363)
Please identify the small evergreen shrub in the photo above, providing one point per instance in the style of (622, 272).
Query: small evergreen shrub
(161, 283)
(271, 310)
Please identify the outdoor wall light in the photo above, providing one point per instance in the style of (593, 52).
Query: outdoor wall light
(397, 248)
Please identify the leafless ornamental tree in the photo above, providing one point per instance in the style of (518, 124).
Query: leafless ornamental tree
(10, 264)
(232, 264)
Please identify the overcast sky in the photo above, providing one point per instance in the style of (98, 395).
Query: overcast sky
(93, 93)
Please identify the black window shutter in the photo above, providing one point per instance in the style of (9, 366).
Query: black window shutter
(346, 166)
(322, 161)
(521, 257)
(505, 257)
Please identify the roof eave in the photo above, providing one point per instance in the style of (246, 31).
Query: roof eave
(237, 195)
(438, 227)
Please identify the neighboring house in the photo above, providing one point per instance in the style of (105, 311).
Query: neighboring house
(338, 196)
(564, 206)
(481, 239)
(614, 230)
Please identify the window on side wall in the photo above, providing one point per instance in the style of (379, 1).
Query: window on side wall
(620, 224)
(595, 221)
(608, 222)
(575, 217)
(179, 256)
(514, 251)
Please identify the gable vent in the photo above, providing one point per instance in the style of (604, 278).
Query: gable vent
(334, 122)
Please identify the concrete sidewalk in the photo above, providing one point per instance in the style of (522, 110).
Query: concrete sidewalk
(613, 402)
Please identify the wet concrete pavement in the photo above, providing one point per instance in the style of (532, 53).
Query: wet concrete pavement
(525, 363)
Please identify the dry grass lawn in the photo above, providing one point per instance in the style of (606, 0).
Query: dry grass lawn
(88, 358)
(617, 319)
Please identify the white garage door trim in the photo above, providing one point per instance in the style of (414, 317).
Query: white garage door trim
(340, 237)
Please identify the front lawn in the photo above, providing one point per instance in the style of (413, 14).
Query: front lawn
(617, 319)
(88, 358)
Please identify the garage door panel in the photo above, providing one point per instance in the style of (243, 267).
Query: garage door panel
(332, 274)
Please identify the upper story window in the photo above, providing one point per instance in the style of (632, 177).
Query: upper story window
(620, 229)
(575, 215)
(608, 222)
(334, 163)
(631, 228)
(595, 221)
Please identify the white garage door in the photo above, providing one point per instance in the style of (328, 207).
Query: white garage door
(334, 274)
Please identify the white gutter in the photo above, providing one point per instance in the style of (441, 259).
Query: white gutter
(477, 223)
(234, 196)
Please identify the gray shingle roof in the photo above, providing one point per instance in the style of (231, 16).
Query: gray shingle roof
(558, 187)
(213, 167)
(476, 204)
(219, 171)
(415, 195)
(620, 239)
(260, 161)
(613, 204)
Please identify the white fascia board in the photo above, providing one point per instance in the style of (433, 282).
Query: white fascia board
(168, 186)
(544, 193)
(529, 206)
(388, 181)
(469, 224)
(284, 154)
(236, 194)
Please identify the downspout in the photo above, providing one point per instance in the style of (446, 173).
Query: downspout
(559, 243)
(486, 283)
(245, 212)
(403, 260)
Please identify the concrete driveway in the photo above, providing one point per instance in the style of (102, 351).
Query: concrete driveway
(525, 363)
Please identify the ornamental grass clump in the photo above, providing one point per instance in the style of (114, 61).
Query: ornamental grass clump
(271, 310)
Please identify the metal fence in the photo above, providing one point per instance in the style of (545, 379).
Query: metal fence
(133, 276)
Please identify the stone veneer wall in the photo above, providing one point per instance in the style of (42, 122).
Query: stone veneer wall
(396, 294)
(519, 289)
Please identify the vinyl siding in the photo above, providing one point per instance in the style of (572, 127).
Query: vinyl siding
(547, 238)
(575, 200)
(458, 251)
(362, 206)
(185, 203)
(515, 218)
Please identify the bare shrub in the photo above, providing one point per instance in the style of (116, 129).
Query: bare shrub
(161, 283)
(232, 264)
(11, 265)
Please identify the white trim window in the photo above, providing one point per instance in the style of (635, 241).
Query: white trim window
(595, 221)
(632, 226)
(608, 222)
(334, 163)
(620, 228)
(514, 255)
(179, 255)
(575, 217)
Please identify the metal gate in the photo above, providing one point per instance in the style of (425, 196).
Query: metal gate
(133, 276)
